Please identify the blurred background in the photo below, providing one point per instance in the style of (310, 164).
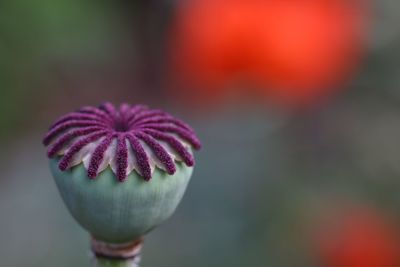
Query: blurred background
(297, 103)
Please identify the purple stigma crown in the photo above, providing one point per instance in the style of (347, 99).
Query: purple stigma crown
(126, 139)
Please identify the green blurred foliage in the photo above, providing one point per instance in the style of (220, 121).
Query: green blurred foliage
(33, 34)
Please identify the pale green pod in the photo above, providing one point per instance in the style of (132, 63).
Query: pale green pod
(119, 212)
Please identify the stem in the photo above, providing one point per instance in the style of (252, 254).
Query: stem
(116, 255)
(108, 262)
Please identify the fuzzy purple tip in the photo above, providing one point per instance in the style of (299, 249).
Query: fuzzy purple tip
(133, 127)
(98, 155)
(122, 158)
(141, 157)
(160, 152)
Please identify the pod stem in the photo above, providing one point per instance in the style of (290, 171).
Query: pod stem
(116, 255)
(107, 262)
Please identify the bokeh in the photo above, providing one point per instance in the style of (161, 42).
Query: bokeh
(297, 103)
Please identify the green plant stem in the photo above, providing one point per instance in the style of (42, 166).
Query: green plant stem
(107, 262)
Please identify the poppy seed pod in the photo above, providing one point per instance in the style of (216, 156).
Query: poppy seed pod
(120, 171)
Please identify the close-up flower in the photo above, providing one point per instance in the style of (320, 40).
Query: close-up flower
(192, 133)
(121, 171)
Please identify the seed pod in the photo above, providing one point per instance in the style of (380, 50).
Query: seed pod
(120, 171)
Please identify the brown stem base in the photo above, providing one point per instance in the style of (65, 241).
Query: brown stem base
(116, 255)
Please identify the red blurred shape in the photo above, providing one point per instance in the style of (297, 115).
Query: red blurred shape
(359, 238)
(294, 50)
